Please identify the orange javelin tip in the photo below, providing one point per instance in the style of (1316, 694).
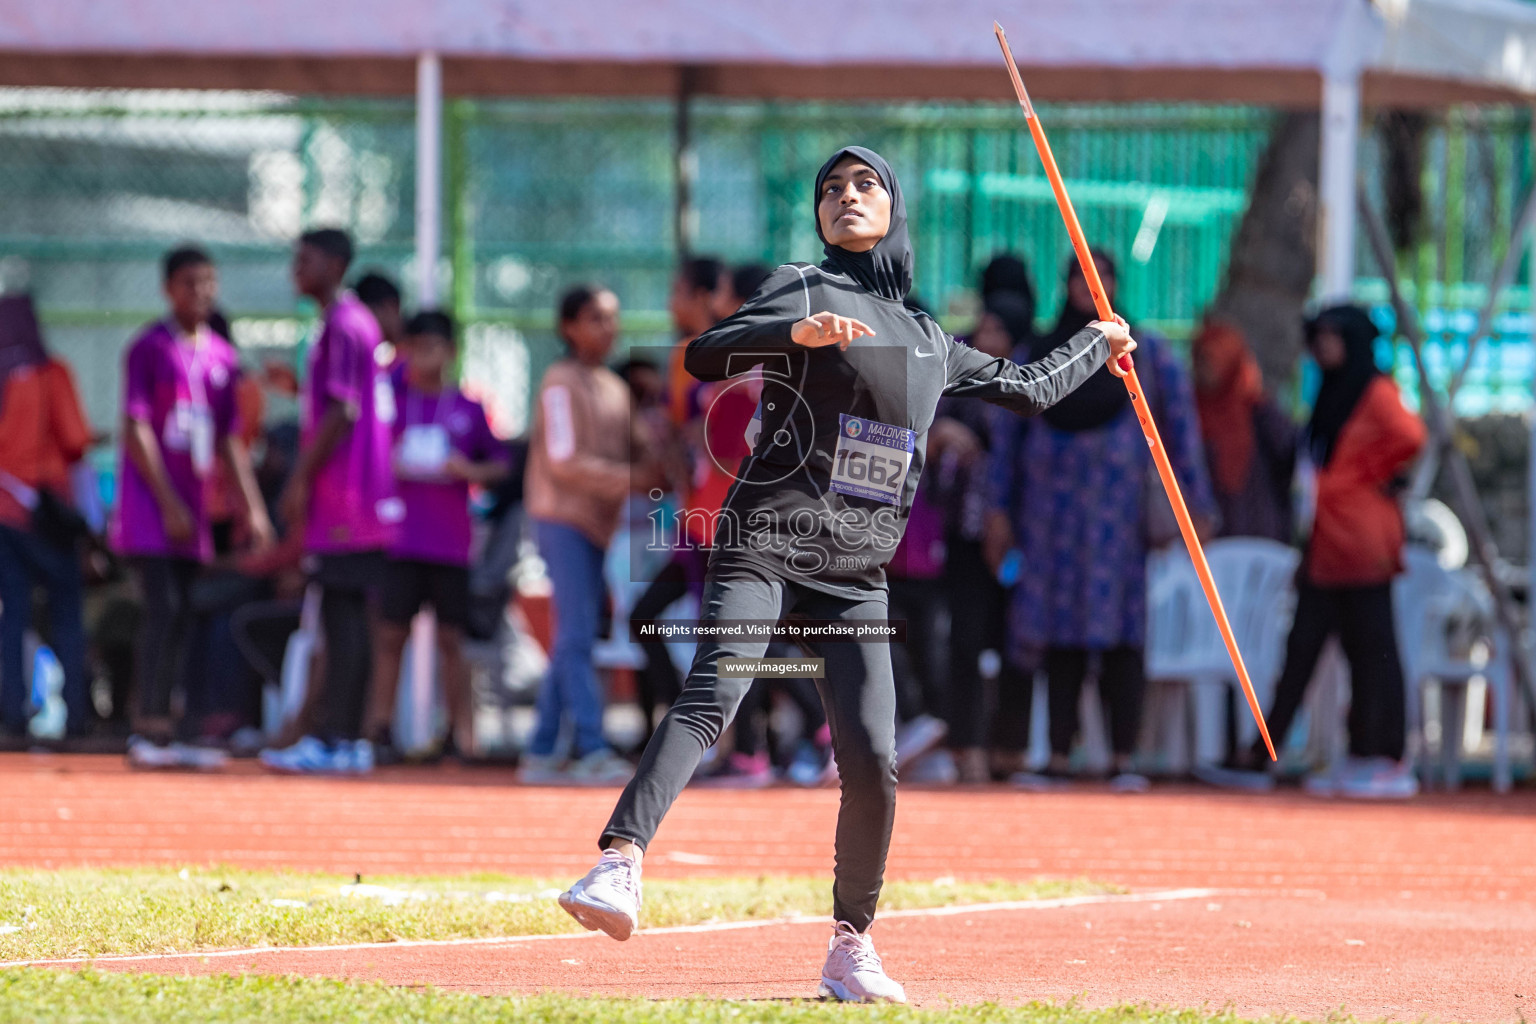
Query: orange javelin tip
(1133, 385)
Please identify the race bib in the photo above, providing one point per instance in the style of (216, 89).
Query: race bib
(872, 459)
(423, 450)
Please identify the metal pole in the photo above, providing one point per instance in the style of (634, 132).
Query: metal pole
(429, 177)
(414, 732)
(1429, 466)
(685, 165)
(1441, 422)
(1336, 184)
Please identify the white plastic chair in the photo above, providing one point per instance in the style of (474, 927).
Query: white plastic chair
(1185, 651)
(1429, 602)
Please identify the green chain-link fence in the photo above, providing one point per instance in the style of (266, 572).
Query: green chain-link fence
(94, 186)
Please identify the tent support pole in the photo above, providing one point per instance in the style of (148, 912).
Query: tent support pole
(429, 176)
(414, 729)
(1441, 423)
(1336, 184)
(1429, 466)
(685, 163)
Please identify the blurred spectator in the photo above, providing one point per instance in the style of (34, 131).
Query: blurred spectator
(43, 434)
(1008, 273)
(382, 297)
(737, 287)
(695, 293)
(342, 489)
(1074, 486)
(577, 479)
(1250, 443)
(443, 444)
(179, 416)
(694, 479)
(1359, 441)
(960, 443)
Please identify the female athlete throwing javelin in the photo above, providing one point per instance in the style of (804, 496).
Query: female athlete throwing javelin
(851, 376)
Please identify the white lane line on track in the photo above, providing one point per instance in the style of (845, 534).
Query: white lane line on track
(1163, 896)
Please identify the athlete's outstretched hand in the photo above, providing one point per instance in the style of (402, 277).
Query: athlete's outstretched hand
(1121, 343)
(825, 329)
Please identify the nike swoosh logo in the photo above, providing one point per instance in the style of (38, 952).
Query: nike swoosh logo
(925, 355)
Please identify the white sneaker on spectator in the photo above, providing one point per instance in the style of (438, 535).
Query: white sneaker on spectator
(600, 768)
(313, 756)
(1234, 778)
(146, 753)
(199, 758)
(607, 897)
(935, 768)
(809, 765)
(1380, 779)
(1129, 782)
(540, 770)
(853, 972)
(1040, 782)
(917, 737)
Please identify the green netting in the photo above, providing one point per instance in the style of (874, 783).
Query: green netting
(94, 186)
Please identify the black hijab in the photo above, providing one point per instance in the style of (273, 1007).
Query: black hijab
(1341, 388)
(1017, 315)
(886, 269)
(1102, 396)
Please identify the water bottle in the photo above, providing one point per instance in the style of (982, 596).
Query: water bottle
(1011, 567)
(47, 695)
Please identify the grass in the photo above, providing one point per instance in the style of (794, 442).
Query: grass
(79, 912)
(87, 997)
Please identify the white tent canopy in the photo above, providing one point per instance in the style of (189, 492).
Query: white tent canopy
(1258, 51)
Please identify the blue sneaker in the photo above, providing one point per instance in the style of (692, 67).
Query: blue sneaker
(313, 756)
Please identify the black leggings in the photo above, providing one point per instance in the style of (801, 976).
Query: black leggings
(658, 681)
(1122, 683)
(1362, 619)
(160, 651)
(346, 583)
(858, 692)
(977, 609)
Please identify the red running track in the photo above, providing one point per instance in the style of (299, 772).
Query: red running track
(1439, 894)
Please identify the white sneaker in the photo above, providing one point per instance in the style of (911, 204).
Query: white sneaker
(540, 770)
(600, 768)
(312, 756)
(1380, 779)
(917, 737)
(202, 759)
(935, 768)
(147, 754)
(853, 972)
(608, 898)
(1129, 782)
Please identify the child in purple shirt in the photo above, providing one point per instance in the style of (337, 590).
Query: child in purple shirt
(443, 444)
(178, 416)
(342, 491)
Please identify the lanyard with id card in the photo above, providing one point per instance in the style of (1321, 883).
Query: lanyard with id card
(872, 458)
(189, 426)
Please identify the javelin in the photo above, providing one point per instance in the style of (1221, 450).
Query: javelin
(1133, 385)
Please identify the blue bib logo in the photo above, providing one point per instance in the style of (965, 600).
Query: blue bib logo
(855, 428)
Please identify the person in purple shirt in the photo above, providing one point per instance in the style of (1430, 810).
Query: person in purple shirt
(342, 491)
(443, 445)
(179, 415)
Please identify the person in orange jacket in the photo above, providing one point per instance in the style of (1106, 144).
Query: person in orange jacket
(1360, 441)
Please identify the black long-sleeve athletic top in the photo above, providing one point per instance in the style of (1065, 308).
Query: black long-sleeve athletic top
(824, 497)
